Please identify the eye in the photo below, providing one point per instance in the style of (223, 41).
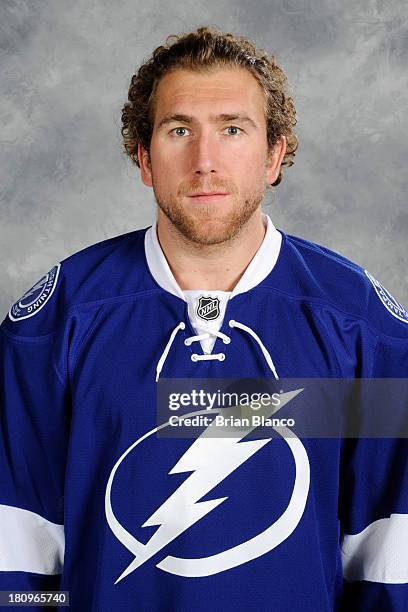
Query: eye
(233, 127)
(177, 129)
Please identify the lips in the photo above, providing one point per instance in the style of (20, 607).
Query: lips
(209, 193)
(209, 197)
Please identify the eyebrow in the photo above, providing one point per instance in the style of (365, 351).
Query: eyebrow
(177, 117)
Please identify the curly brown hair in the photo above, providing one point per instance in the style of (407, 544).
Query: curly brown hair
(205, 49)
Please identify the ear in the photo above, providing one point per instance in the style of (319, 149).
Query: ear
(145, 165)
(274, 160)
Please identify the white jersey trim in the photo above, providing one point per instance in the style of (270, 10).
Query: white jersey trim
(258, 269)
(29, 542)
(379, 553)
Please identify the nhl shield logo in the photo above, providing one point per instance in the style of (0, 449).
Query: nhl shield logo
(36, 298)
(208, 308)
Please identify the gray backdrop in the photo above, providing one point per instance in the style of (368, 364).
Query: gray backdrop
(65, 71)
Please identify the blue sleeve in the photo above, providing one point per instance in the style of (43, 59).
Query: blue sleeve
(373, 505)
(34, 426)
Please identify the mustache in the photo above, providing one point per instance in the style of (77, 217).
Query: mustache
(211, 187)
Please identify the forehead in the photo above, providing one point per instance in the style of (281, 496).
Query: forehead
(180, 90)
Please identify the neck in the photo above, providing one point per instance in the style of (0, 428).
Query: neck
(210, 267)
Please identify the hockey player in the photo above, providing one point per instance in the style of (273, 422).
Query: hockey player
(92, 499)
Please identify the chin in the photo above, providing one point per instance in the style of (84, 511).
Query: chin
(210, 224)
(208, 232)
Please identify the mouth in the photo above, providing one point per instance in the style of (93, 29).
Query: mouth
(208, 197)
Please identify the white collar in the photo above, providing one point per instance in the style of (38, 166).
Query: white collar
(258, 269)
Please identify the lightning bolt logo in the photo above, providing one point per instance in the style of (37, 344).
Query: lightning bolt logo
(211, 460)
(36, 287)
(35, 298)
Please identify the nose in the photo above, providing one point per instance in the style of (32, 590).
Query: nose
(205, 154)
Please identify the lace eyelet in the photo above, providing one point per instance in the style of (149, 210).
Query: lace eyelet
(221, 357)
(187, 342)
(194, 357)
(226, 340)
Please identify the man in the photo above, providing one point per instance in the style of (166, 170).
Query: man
(93, 500)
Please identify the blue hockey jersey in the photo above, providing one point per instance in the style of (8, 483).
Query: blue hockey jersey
(93, 501)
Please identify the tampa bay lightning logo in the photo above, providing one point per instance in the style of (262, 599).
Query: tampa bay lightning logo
(390, 303)
(36, 298)
(209, 460)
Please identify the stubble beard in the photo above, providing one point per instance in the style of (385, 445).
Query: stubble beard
(203, 227)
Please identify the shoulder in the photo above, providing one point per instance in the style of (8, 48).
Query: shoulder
(106, 270)
(326, 278)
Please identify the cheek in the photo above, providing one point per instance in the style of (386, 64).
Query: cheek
(166, 176)
(167, 165)
(248, 159)
(250, 171)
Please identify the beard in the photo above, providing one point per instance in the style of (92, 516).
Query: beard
(207, 224)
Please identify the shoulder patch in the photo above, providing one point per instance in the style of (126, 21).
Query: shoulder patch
(390, 303)
(36, 298)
